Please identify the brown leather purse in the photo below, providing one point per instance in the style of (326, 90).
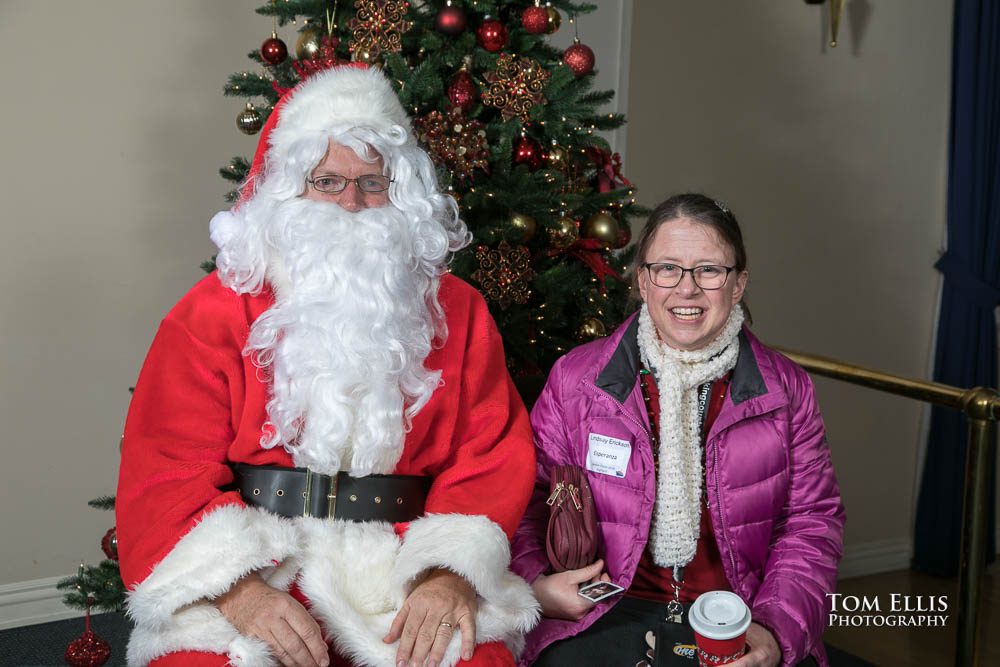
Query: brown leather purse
(573, 537)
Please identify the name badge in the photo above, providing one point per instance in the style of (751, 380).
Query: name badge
(607, 455)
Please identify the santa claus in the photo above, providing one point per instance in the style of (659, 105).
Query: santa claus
(325, 457)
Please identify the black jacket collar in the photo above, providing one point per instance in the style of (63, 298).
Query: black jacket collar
(619, 375)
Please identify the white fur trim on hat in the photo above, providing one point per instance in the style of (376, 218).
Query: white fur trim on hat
(339, 98)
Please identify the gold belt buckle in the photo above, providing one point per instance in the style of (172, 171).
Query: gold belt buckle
(331, 497)
(307, 494)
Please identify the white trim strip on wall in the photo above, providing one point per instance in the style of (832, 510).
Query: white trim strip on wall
(32, 602)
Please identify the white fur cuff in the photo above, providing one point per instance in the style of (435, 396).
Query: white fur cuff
(224, 546)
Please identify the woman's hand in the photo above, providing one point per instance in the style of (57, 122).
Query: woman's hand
(764, 650)
(558, 593)
(276, 618)
(438, 606)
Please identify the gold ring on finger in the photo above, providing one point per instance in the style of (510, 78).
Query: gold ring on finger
(446, 624)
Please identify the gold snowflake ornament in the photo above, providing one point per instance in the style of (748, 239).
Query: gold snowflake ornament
(515, 86)
(378, 26)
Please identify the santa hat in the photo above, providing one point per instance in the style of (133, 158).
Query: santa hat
(340, 98)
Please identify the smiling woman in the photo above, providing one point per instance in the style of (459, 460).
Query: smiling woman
(727, 482)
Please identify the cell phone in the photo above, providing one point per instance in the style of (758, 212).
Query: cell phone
(599, 590)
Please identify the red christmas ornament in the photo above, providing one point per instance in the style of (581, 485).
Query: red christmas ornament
(579, 58)
(462, 91)
(451, 21)
(529, 152)
(109, 544)
(492, 35)
(273, 51)
(324, 58)
(535, 20)
(624, 235)
(87, 650)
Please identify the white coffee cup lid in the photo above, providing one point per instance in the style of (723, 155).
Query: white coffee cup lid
(719, 615)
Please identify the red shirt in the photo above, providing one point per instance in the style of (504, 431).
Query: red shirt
(704, 572)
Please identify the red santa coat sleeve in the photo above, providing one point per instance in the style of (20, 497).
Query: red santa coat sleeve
(181, 425)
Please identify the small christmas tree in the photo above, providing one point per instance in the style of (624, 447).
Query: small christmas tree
(97, 587)
(512, 125)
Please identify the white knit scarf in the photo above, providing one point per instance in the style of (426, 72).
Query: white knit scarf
(678, 373)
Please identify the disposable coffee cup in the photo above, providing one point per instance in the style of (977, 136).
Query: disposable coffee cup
(720, 620)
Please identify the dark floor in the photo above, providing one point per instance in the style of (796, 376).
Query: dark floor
(43, 645)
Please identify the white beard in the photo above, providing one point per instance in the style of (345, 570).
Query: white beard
(355, 316)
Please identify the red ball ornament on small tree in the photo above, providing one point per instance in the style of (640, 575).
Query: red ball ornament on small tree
(579, 58)
(451, 20)
(273, 51)
(527, 151)
(109, 544)
(535, 20)
(491, 35)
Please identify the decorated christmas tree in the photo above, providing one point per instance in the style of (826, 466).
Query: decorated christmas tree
(514, 128)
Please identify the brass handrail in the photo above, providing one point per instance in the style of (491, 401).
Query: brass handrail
(982, 407)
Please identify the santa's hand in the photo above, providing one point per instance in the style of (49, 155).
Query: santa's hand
(558, 594)
(276, 618)
(438, 606)
(763, 649)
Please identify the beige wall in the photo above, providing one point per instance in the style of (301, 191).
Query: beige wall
(835, 162)
(114, 125)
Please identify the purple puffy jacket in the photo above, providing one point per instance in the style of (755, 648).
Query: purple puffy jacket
(775, 503)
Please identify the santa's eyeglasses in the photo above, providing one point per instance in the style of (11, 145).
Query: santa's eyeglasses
(332, 184)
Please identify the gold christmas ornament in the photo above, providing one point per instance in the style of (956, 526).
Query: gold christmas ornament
(525, 226)
(515, 86)
(307, 45)
(591, 329)
(504, 273)
(601, 227)
(249, 120)
(378, 25)
(557, 157)
(564, 234)
(555, 20)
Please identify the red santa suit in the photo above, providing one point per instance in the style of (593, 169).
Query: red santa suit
(199, 407)
(184, 537)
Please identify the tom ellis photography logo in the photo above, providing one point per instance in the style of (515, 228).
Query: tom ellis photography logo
(895, 610)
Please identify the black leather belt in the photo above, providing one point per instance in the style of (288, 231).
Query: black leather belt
(294, 492)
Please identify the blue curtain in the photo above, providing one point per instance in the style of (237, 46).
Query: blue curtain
(966, 354)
